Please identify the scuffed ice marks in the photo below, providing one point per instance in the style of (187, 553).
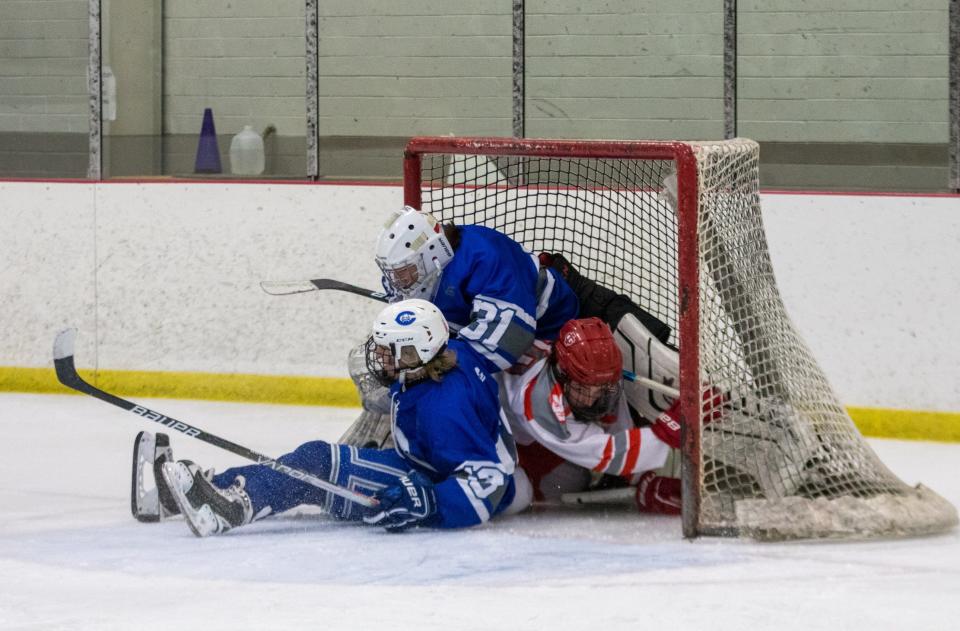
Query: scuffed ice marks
(316, 550)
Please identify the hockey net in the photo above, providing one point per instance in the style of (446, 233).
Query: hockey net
(677, 227)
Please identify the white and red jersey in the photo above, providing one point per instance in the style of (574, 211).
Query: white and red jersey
(538, 413)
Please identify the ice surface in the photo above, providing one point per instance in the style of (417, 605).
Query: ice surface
(72, 557)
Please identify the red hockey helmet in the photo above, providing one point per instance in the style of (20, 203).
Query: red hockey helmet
(586, 353)
(588, 366)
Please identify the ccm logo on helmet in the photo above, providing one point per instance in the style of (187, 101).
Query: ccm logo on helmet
(405, 318)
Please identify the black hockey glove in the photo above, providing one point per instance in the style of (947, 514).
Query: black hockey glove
(408, 503)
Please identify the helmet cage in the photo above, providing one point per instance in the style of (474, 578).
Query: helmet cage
(410, 277)
(382, 362)
(406, 335)
(589, 402)
(589, 366)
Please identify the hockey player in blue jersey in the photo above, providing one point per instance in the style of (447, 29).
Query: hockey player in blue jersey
(454, 461)
(499, 296)
(492, 291)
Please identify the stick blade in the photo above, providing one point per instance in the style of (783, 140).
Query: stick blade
(287, 287)
(329, 283)
(622, 495)
(63, 345)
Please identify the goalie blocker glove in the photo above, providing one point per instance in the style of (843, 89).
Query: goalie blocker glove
(409, 503)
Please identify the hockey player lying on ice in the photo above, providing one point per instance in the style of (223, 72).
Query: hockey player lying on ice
(454, 460)
(571, 421)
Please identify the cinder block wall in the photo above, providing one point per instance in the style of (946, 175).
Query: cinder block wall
(419, 67)
(820, 79)
(44, 108)
(622, 69)
(245, 59)
(872, 71)
(43, 66)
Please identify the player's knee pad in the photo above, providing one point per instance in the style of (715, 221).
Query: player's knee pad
(314, 457)
(549, 475)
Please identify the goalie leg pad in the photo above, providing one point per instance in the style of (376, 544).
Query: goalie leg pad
(150, 497)
(374, 396)
(371, 430)
(372, 427)
(767, 443)
(646, 356)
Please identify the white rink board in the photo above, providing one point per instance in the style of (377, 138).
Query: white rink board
(190, 261)
(47, 269)
(177, 269)
(873, 285)
(164, 276)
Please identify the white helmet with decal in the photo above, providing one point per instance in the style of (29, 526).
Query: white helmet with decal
(411, 252)
(406, 335)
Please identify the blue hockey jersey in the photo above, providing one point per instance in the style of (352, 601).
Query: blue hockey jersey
(455, 433)
(495, 292)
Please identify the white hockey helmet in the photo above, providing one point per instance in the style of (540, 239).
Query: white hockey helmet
(404, 330)
(411, 252)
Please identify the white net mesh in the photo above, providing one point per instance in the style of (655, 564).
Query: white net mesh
(788, 462)
(783, 460)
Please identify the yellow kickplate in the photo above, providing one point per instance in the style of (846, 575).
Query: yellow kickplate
(330, 391)
(339, 392)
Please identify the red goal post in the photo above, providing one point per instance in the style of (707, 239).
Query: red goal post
(785, 461)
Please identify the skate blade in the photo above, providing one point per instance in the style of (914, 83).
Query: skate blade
(144, 503)
(202, 521)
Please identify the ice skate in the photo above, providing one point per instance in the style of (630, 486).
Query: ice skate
(208, 509)
(150, 499)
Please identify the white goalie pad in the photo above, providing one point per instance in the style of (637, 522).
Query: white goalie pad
(374, 396)
(646, 356)
(370, 429)
(767, 444)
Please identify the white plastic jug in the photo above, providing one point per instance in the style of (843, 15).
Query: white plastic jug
(246, 153)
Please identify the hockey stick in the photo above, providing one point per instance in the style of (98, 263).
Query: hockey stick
(621, 495)
(63, 349)
(285, 288)
(740, 404)
(650, 383)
